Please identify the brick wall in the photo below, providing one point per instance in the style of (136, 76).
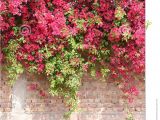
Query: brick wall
(98, 101)
(5, 92)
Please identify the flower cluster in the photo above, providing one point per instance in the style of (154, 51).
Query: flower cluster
(62, 39)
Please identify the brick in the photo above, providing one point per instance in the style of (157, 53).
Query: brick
(98, 100)
(7, 109)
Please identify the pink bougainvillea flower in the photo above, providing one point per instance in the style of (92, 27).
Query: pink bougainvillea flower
(40, 67)
(33, 86)
(2, 6)
(139, 37)
(42, 93)
(115, 35)
(30, 58)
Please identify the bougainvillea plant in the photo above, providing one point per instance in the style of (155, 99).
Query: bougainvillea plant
(63, 39)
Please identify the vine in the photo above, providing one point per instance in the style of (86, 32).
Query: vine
(63, 39)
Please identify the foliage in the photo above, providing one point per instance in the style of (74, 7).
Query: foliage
(65, 38)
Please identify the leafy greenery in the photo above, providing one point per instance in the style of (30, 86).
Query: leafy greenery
(13, 67)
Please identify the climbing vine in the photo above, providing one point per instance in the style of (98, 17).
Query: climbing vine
(63, 39)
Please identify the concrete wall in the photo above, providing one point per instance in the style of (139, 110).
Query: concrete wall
(98, 101)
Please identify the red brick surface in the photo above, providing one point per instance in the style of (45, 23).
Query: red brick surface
(98, 101)
(5, 95)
